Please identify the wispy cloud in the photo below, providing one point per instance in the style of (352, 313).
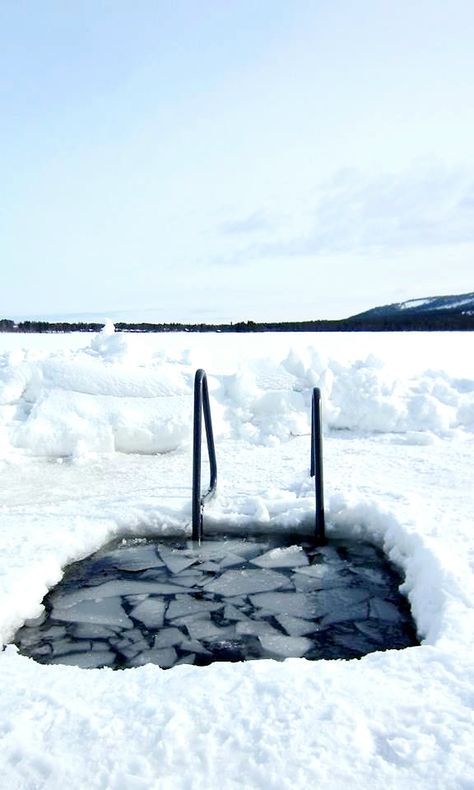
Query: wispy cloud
(428, 205)
(252, 223)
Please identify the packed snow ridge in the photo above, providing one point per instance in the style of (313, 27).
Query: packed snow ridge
(102, 399)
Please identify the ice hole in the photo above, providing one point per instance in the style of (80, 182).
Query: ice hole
(171, 602)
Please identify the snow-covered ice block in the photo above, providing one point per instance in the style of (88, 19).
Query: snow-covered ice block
(244, 582)
(284, 557)
(150, 612)
(286, 646)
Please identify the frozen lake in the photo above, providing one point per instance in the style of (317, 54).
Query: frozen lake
(95, 445)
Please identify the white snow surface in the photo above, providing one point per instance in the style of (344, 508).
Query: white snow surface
(95, 443)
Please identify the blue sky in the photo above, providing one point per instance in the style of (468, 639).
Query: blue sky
(234, 160)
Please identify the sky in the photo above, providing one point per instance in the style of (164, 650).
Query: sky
(202, 160)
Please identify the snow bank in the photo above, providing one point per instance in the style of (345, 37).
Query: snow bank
(115, 395)
(94, 444)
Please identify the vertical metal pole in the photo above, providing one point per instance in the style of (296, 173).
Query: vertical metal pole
(197, 435)
(210, 438)
(317, 465)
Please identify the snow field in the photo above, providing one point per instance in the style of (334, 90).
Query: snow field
(81, 421)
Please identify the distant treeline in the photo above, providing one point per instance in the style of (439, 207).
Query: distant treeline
(428, 322)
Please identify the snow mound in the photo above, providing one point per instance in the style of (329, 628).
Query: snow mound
(119, 394)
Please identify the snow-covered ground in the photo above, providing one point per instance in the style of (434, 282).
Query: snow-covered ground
(95, 442)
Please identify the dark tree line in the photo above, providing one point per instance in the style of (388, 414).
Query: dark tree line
(424, 322)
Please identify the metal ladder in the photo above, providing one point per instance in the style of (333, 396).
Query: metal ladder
(202, 407)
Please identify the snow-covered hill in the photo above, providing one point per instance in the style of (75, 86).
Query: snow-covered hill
(454, 305)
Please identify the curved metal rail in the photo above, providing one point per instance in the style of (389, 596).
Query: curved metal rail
(202, 406)
(317, 465)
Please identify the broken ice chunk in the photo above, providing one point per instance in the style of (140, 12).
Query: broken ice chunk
(230, 560)
(53, 632)
(244, 582)
(232, 613)
(383, 610)
(168, 637)
(307, 583)
(186, 579)
(297, 604)
(91, 631)
(175, 559)
(286, 557)
(185, 604)
(207, 631)
(239, 600)
(294, 626)
(115, 589)
(343, 613)
(190, 618)
(187, 659)
(107, 612)
(255, 628)
(133, 558)
(62, 647)
(209, 566)
(90, 660)
(195, 646)
(164, 658)
(150, 612)
(33, 622)
(319, 571)
(285, 646)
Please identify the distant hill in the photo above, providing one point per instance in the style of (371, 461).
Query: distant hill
(433, 313)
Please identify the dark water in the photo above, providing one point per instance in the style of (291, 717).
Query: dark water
(230, 599)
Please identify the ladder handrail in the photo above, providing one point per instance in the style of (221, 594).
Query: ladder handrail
(202, 406)
(317, 464)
